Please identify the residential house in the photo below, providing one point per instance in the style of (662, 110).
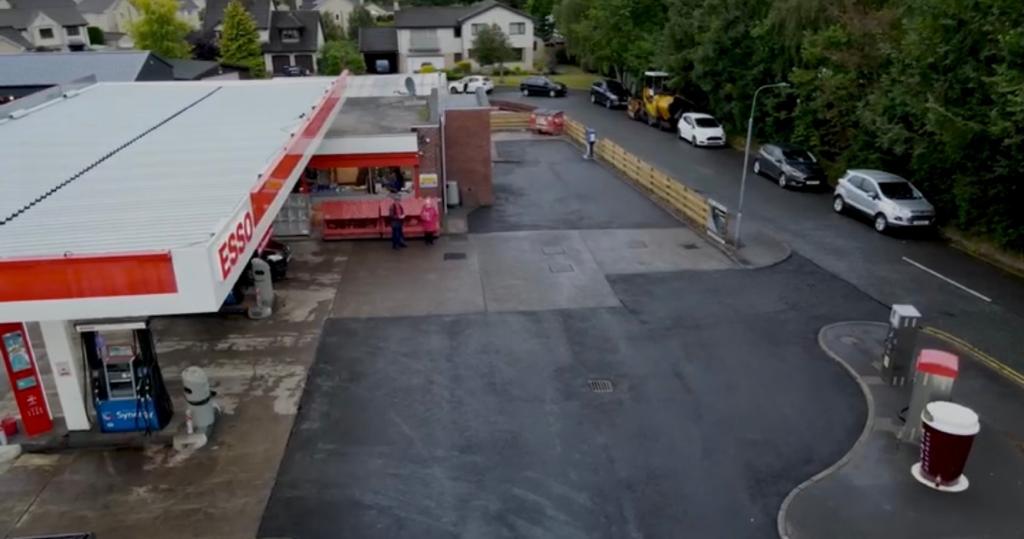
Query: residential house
(289, 38)
(336, 10)
(50, 25)
(114, 17)
(442, 36)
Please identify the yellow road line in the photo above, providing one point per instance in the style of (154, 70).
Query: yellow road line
(988, 360)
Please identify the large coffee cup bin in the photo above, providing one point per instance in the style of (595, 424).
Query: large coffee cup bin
(946, 440)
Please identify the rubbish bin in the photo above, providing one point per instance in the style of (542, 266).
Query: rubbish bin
(549, 122)
(949, 431)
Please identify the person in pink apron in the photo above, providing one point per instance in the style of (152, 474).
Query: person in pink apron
(430, 218)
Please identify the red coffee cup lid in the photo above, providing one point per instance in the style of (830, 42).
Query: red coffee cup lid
(951, 418)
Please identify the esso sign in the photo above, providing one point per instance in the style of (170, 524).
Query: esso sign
(233, 246)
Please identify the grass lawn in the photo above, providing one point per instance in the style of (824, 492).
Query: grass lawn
(576, 80)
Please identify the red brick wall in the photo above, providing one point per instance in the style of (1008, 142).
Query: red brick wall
(430, 158)
(468, 155)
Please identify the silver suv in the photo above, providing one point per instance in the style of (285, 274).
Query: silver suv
(888, 199)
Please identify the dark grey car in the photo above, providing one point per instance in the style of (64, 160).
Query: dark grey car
(542, 86)
(789, 166)
(609, 93)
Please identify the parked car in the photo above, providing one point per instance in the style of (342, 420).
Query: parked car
(295, 71)
(542, 86)
(790, 166)
(467, 85)
(608, 92)
(701, 129)
(889, 200)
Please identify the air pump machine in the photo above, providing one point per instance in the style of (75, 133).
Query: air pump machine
(128, 390)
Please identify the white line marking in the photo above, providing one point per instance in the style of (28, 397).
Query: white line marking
(948, 280)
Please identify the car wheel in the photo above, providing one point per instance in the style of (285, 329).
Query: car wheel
(757, 167)
(838, 204)
(881, 223)
(783, 181)
(593, 99)
(553, 93)
(453, 90)
(526, 93)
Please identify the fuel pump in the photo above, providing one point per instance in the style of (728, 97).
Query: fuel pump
(128, 389)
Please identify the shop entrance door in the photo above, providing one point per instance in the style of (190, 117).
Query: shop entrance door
(294, 217)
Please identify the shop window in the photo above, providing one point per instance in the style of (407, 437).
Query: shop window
(517, 28)
(46, 33)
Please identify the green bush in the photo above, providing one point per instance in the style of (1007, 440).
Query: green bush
(465, 66)
(96, 36)
(427, 68)
(453, 74)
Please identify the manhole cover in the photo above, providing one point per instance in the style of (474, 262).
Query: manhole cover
(561, 267)
(600, 385)
(689, 246)
(636, 244)
(458, 237)
(455, 256)
(553, 251)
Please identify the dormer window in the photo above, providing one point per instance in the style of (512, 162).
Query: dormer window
(290, 36)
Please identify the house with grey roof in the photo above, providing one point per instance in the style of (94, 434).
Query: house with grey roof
(336, 10)
(45, 25)
(379, 47)
(115, 16)
(27, 73)
(289, 38)
(442, 36)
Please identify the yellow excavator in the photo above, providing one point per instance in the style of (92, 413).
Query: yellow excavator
(655, 105)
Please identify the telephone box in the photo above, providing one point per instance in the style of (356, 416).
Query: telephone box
(24, 376)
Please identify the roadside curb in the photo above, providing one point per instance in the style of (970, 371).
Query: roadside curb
(869, 424)
(787, 253)
(992, 363)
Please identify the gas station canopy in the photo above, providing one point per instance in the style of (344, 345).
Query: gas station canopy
(148, 198)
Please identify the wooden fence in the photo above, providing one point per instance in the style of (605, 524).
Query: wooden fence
(509, 121)
(688, 202)
(575, 131)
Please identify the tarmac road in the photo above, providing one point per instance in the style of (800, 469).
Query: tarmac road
(844, 246)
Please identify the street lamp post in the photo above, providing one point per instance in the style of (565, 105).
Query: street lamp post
(746, 157)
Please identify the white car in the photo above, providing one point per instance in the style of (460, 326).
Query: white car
(701, 129)
(468, 85)
(889, 200)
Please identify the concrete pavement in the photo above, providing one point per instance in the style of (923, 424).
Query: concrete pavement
(841, 245)
(872, 494)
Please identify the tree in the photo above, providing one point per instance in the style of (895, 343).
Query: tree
(359, 18)
(337, 56)
(542, 12)
(158, 29)
(96, 36)
(332, 30)
(491, 46)
(240, 40)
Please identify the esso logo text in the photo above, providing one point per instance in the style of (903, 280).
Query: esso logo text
(234, 244)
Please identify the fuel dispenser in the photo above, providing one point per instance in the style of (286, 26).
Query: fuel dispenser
(128, 389)
(934, 374)
(898, 354)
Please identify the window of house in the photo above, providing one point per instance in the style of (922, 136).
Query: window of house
(289, 35)
(477, 27)
(424, 40)
(457, 57)
(458, 31)
(337, 16)
(46, 33)
(73, 30)
(517, 28)
(517, 55)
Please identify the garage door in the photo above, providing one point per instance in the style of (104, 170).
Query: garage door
(305, 61)
(280, 61)
(413, 65)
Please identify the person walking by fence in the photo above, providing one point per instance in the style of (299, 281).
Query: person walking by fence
(396, 214)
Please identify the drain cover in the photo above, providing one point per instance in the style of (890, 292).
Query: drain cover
(689, 246)
(561, 267)
(455, 256)
(636, 244)
(600, 385)
(553, 251)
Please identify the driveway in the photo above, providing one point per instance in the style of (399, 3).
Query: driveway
(843, 246)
